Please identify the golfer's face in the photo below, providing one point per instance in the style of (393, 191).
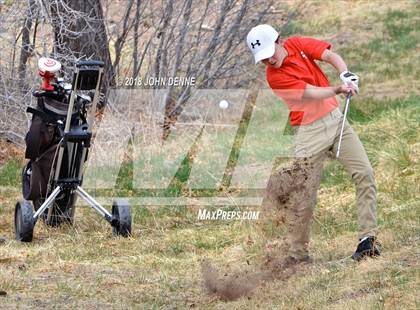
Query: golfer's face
(274, 61)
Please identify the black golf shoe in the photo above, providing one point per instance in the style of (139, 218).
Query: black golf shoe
(367, 247)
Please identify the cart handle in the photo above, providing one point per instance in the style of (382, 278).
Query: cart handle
(90, 63)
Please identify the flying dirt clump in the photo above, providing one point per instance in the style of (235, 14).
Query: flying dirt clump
(287, 193)
(243, 283)
(228, 287)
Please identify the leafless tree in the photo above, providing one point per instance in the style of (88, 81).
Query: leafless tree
(27, 47)
(79, 32)
(204, 40)
(64, 29)
(15, 32)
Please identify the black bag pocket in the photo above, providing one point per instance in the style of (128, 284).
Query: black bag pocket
(36, 174)
(39, 138)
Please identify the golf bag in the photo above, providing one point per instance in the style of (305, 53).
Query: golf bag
(57, 146)
(42, 142)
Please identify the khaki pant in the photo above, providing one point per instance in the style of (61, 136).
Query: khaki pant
(312, 144)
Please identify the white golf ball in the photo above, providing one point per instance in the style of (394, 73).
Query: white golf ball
(223, 104)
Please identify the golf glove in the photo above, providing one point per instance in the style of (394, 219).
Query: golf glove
(350, 79)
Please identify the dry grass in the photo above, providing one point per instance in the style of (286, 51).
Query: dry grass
(8, 151)
(84, 267)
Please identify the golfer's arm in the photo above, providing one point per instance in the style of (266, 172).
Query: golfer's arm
(312, 92)
(335, 60)
(319, 93)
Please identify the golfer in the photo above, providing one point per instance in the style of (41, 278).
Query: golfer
(293, 75)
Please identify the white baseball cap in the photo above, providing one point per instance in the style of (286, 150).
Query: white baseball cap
(260, 41)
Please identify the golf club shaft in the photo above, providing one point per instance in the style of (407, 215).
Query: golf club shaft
(346, 108)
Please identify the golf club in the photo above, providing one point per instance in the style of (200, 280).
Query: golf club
(346, 108)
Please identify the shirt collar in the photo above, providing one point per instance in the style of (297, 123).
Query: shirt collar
(290, 53)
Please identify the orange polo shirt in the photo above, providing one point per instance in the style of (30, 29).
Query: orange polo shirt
(297, 70)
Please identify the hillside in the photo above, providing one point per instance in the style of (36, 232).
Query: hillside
(83, 267)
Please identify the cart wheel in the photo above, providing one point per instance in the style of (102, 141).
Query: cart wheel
(121, 219)
(24, 222)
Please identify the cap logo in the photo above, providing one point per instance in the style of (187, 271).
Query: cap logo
(257, 43)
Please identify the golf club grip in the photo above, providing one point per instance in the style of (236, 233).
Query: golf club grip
(346, 107)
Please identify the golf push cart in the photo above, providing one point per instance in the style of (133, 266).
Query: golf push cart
(57, 145)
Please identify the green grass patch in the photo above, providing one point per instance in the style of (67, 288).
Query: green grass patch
(125, 176)
(363, 110)
(290, 29)
(399, 23)
(334, 175)
(366, 113)
(10, 173)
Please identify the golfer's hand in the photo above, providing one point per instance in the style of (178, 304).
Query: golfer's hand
(350, 79)
(345, 90)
